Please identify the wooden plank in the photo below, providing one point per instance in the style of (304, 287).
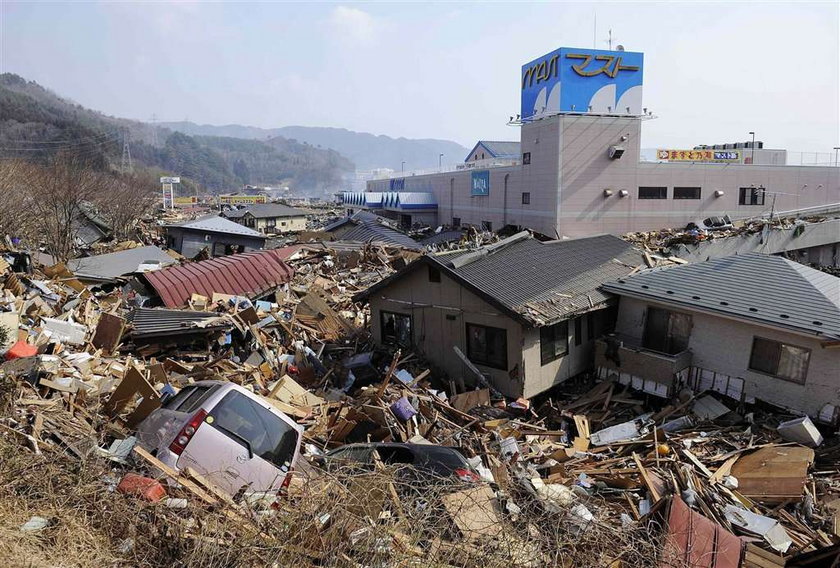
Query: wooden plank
(189, 485)
(654, 494)
(109, 332)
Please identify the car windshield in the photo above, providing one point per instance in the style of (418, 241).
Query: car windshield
(243, 420)
(442, 461)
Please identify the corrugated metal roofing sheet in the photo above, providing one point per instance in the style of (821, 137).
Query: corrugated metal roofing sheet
(155, 322)
(112, 265)
(757, 287)
(250, 274)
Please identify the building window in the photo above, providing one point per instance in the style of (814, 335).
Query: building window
(396, 328)
(482, 155)
(578, 330)
(526, 198)
(686, 193)
(554, 342)
(487, 346)
(486, 226)
(434, 274)
(653, 193)
(666, 331)
(781, 360)
(751, 196)
(526, 158)
(456, 222)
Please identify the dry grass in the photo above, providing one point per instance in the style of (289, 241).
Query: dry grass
(331, 521)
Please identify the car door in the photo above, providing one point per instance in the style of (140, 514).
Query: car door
(241, 444)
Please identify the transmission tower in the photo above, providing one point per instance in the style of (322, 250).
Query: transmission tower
(125, 163)
(154, 130)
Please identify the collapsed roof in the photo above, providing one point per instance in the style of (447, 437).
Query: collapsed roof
(538, 283)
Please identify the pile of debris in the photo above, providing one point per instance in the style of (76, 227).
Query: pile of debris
(600, 476)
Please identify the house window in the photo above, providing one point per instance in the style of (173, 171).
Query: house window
(554, 342)
(526, 198)
(434, 274)
(396, 328)
(781, 360)
(751, 196)
(526, 158)
(486, 226)
(456, 222)
(686, 193)
(666, 331)
(578, 331)
(653, 193)
(487, 346)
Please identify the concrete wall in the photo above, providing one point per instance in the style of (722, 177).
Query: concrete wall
(570, 169)
(724, 346)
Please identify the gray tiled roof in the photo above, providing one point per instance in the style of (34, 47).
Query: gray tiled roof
(374, 232)
(756, 287)
(540, 283)
(216, 224)
(545, 281)
(265, 211)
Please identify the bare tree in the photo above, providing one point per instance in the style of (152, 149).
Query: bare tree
(58, 192)
(16, 216)
(127, 199)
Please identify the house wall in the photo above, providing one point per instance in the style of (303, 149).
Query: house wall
(724, 346)
(429, 304)
(281, 224)
(538, 377)
(189, 243)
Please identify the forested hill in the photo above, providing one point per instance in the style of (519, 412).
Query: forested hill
(367, 151)
(35, 123)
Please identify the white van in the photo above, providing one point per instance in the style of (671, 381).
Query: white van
(231, 436)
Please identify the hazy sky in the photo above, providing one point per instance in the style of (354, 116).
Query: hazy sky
(713, 71)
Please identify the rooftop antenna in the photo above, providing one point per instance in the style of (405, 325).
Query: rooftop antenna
(595, 31)
(610, 39)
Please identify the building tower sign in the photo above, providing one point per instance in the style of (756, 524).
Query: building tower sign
(570, 80)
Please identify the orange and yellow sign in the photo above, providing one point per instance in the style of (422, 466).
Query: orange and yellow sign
(699, 155)
(241, 199)
(186, 201)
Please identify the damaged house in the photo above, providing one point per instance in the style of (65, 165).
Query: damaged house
(750, 327)
(524, 312)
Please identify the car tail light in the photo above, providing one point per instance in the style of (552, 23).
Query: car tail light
(467, 475)
(187, 432)
(287, 481)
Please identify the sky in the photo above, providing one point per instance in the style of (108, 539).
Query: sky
(713, 71)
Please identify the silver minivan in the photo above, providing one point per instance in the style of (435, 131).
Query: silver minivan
(231, 436)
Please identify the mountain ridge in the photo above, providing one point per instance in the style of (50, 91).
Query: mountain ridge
(368, 151)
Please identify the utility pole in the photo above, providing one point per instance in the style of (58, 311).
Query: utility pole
(836, 148)
(403, 167)
(752, 158)
(125, 162)
(440, 162)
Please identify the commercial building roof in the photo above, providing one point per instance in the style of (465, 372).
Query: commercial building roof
(216, 224)
(536, 282)
(497, 149)
(115, 264)
(755, 287)
(251, 274)
(265, 211)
